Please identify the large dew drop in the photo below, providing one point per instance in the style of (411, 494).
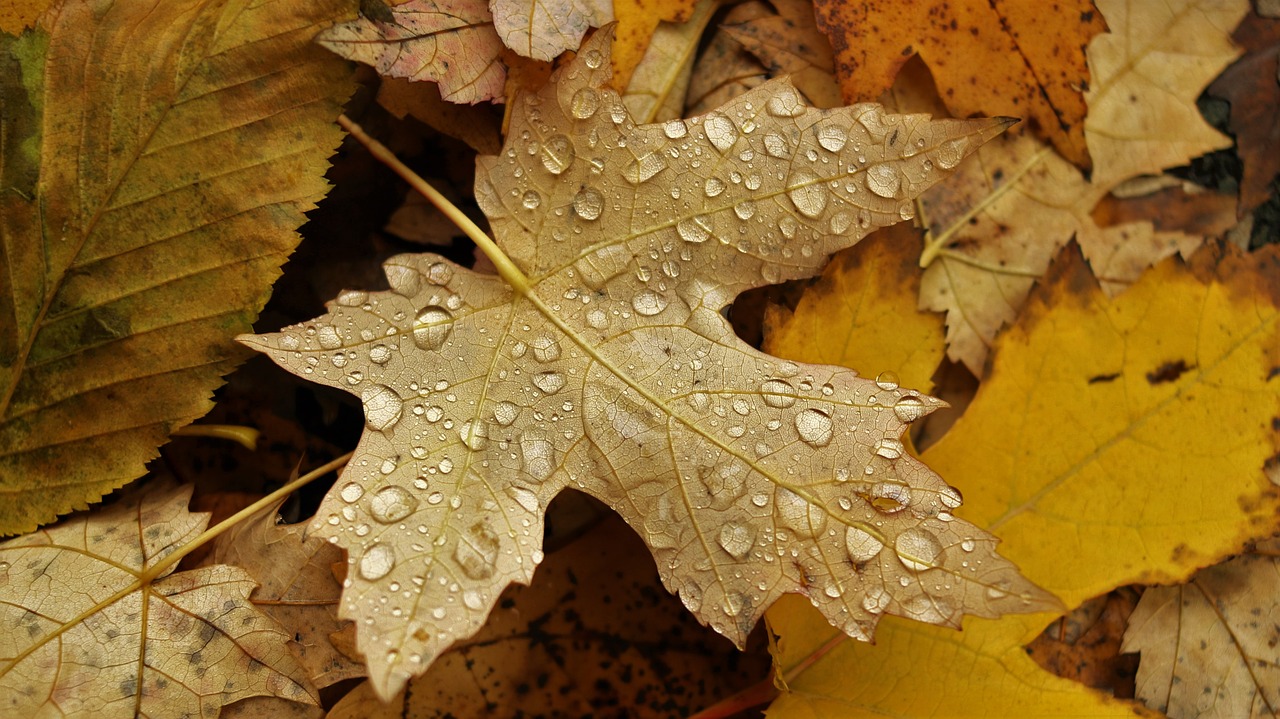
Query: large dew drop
(785, 104)
(861, 545)
(377, 562)
(909, 408)
(814, 427)
(588, 203)
(474, 434)
(736, 539)
(648, 303)
(557, 154)
(537, 456)
(504, 413)
(884, 180)
(381, 407)
(832, 138)
(392, 504)
(549, 382)
(778, 393)
(807, 193)
(720, 131)
(431, 327)
(918, 549)
(695, 229)
(950, 153)
(585, 103)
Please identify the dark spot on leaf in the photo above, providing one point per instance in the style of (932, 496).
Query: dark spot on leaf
(1103, 378)
(1168, 372)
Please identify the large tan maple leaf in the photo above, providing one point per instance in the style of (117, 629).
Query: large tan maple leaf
(599, 360)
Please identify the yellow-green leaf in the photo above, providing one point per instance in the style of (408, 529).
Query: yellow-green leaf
(156, 160)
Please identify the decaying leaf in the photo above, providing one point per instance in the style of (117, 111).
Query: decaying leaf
(145, 208)
(542, 29)
(996, 225)
(89, 637)
(988, 56)
(595, 630)
(296, 587)
(1115, 441)
(451, 42)
(1252, 85)
(725, 69)
(789, 43)
(1209, 647)
(600, 360)
(478, 125)
(1147, 73)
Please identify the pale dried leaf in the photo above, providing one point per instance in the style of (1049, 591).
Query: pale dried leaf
(789, 43)
(82, 644)
(451, 42)
(1147, 73)
(606, 365)
(725, 69)
(996, 224)
(542, 29)
(1208, 647)
(296, 587)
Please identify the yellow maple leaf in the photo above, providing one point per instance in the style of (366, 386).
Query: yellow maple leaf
(1114, 442)
(598, 359)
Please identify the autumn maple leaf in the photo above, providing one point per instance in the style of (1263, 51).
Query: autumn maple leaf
(598, 359)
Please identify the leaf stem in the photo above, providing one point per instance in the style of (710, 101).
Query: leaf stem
(149, 574)
(762, 692)
(506, 268)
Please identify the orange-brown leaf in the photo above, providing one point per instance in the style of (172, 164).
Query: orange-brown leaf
(993, 58)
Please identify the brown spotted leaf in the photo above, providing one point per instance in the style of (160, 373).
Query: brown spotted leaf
(90, 636)
(600, 360)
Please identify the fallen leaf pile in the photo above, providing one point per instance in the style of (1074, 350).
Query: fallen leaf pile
(666, 371)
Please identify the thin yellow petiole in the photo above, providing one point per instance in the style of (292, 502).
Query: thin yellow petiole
(506, 268)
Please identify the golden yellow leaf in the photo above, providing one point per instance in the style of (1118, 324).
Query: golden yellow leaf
(145, 209)
(862, 313)
(595, 630)
(599, 360)
(1209, 646)
(92, 634)
(1115, 441)
(296, 587)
